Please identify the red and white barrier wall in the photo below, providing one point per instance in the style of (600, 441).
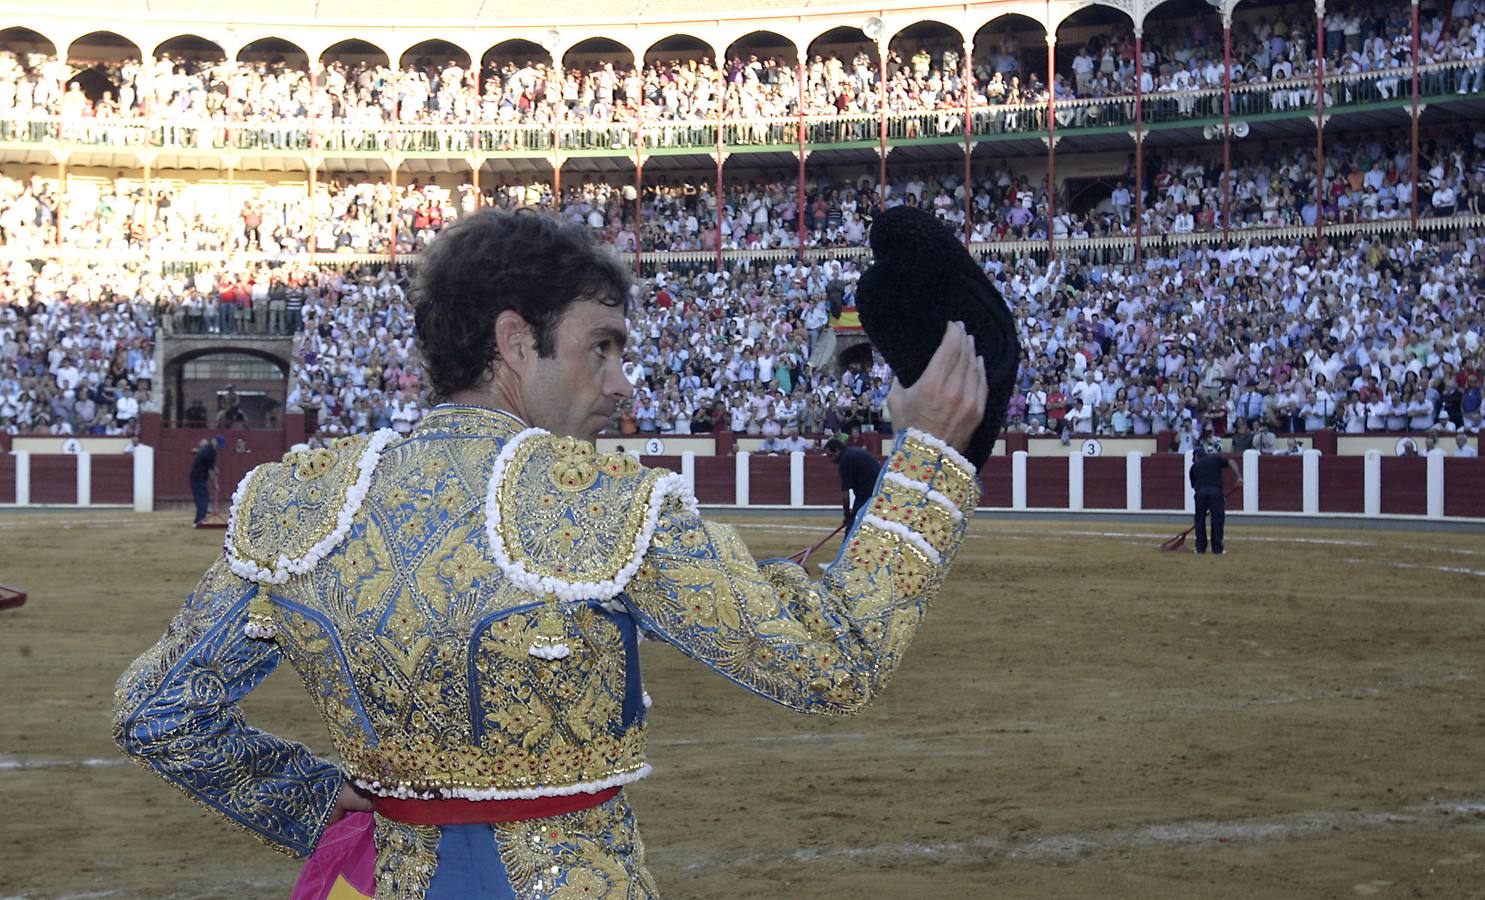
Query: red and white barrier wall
(79, 479)
(1434, 486)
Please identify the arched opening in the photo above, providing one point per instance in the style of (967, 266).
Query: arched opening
(596, 53)
(212, 388)
(760, 73)
(858, 354)
(678, 48)
(191, 48)
(516, 53)
(929, 56)
(1010, 56)
(355, 52)
(841, 69)
(275, 51)
(1089, 45)
(23, 41)
(102, 47)
(511, 68)
(435, 55)
(682, 66)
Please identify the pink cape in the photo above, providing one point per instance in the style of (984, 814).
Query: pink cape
(343, 866)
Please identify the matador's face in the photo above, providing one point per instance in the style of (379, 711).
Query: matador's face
(576, 391)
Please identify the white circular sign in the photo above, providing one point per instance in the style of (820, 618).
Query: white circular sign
(654, 447)
(1093, 447)
(72, 446)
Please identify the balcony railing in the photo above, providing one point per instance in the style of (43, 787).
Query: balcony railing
(1109, 249)
(332, 138)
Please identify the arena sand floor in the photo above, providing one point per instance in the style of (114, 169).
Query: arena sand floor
(1082, 716)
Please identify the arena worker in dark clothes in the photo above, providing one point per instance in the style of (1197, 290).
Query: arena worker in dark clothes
(202, 466)
(1211, 500)
(858, 476)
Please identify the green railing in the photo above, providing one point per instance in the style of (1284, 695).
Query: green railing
(1294, 97)
(1104, 249)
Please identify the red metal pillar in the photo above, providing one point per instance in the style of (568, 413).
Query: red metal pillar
(557, 182)
(1051, 143)
(720, 204)
(639, 192)
(1413, 199)
(721, 157)
(881, 109)
(1319, 119)
(392, 226)
(801, 156)
(1139, 143)
(61, 196)
(313, 163)
(1226, 125)
(969, 91)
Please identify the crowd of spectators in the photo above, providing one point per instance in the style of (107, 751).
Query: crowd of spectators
(1181, 58)
(1377, 334)
(76, 350)
(1365, 180)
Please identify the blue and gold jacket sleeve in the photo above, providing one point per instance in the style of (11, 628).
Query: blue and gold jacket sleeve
(176, 713)
(824, 647)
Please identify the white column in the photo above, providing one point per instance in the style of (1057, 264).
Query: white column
(1250, 481)
(22, 478)
(1310, 485)
(1018, 479)
(144, 479)
(1134, 481)
(742, 477)
(1075, 481)
(1435, 483)
(688, 470)
(84, 478)
(1371, 479)
(796, 478)
(1190, 505)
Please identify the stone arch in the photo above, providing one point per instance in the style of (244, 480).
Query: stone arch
(517, 51)
(680, 46)
(599, 50)
(355, 50)
(771, 43)
(1093, 28)
(190, 46)
(27, 40)
(1012, 44)
(846, 39)
(435, 52)
(103, 47)
(272, 49)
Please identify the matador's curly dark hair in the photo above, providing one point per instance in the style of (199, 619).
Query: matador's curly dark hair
(529, 262)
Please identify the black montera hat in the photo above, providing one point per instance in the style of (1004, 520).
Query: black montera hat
(922, 279)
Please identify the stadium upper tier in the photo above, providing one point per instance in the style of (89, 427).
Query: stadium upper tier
(918, 83)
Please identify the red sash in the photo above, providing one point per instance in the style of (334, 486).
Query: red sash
(458, 811)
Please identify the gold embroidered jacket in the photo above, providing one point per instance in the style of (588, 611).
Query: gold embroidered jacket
(464, 605)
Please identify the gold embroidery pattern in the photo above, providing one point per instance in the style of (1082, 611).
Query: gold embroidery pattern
(913, 510)
(593, 853)
(406, 857)
(586, 529)
(823, 648)
(921, 462)
(288, 508)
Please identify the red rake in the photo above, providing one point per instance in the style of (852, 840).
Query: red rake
(803, 556)
(10, 598)
(1179, 541)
